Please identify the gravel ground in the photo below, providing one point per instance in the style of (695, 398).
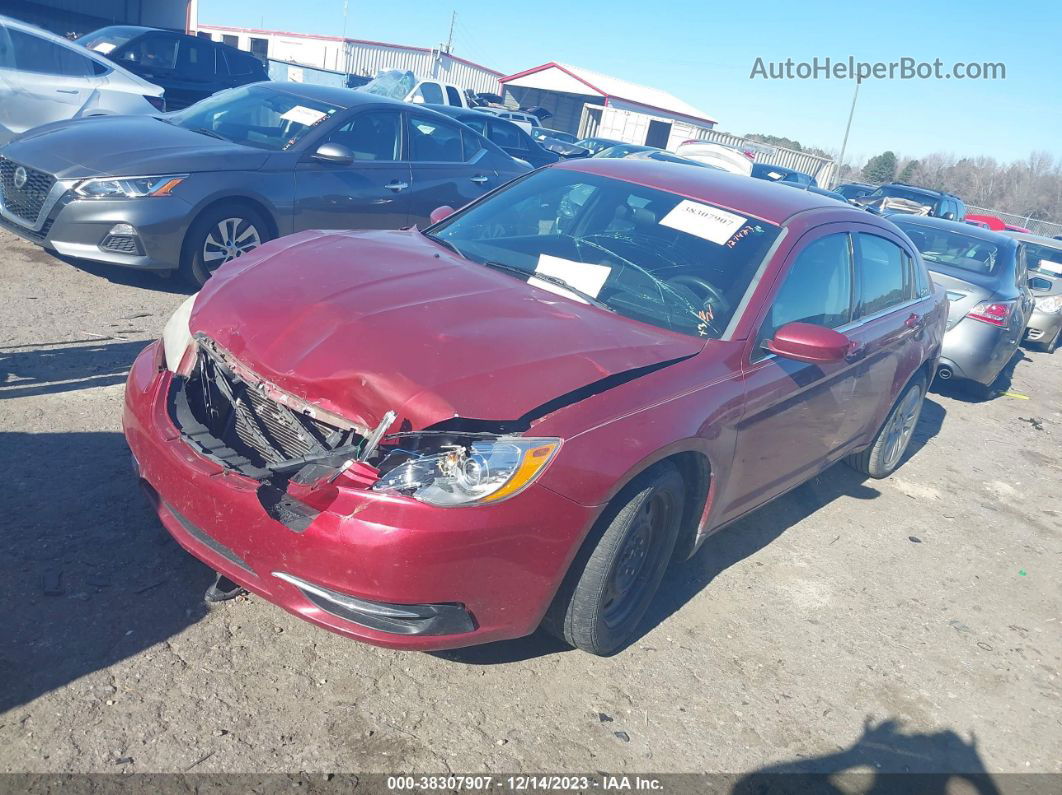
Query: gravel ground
(911, 623)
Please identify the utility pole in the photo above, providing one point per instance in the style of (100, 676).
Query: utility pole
(450, 38)
(345, 44)
(848, 127)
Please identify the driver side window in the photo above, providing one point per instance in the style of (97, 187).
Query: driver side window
(816, 289)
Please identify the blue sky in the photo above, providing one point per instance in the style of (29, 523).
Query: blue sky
(704, 52)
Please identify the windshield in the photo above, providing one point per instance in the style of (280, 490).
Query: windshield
(902, 193)
(647, 254)
(255, 115)
(106, 39)
(1044, 259)
(393, 83)
(954, 249)
(595, 145)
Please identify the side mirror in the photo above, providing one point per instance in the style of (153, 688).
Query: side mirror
(336, 154)
(441, 213)
(1039, 283)
(806, 342)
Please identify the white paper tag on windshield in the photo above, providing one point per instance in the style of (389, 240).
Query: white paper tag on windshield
(103, 47)
(300, 114)
(703, 221)
(583, 276)
(1051, 267)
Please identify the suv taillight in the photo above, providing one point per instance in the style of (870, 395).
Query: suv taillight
(158, 103)
(994, 313)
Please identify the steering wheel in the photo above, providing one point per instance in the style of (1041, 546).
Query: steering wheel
(712, 297)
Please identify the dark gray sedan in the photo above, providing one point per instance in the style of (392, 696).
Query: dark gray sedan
(986, 279)
(196, 188)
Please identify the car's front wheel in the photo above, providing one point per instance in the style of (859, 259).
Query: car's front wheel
(884, 454)
(219, 236)
(611, 584)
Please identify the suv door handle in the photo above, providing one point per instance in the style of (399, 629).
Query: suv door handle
(915, 322)
(479, 179)
(856, 351)
(397, 186)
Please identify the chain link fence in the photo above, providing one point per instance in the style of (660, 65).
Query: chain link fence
(1045, 228)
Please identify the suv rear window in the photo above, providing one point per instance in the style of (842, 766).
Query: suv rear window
(954, 249)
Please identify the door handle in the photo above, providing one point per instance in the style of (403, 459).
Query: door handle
(915, 322)
(855, 352)
(397, 186)
(66, 91)
(479, 179)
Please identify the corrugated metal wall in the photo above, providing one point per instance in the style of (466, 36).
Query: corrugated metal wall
(822, 168)
(370, 59)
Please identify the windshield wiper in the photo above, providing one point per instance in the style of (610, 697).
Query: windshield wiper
(442, 242)
(548, 277)
(211, 133)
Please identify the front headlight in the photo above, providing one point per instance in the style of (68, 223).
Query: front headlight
(481, 472)
(177, 336)
(1049, 303)
(128, 187)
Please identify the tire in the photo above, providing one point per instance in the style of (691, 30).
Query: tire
(1051, 346)
(224, 234)
(613, 580)
(886, 452)
(979, 391)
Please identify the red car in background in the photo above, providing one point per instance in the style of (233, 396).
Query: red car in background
(431, 439)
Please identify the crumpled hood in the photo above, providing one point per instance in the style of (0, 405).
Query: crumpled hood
(126, 146)
(363, 322)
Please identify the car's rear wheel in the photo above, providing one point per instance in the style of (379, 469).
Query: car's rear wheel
(219, 236)
(886, 452)
(612, 582)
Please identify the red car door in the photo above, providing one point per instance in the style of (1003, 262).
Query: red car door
(798, 416)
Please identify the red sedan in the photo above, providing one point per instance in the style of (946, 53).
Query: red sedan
(431, 439)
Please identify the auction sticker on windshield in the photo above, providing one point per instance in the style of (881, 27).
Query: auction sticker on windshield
(300, 114)
(704, 221)
(583, 276)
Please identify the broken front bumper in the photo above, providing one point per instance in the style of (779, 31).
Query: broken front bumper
(387, 559)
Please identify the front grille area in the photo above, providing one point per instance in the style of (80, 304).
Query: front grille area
(238, 424)
(24, 202)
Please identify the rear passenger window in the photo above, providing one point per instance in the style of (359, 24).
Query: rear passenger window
(435, 141)
(507, 136)
(453, 95)
(817, 289)
(884, 277)
(34, 54)
(195, 58)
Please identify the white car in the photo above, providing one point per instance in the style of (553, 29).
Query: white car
(723, 157)
(526, 121)
(45, 78)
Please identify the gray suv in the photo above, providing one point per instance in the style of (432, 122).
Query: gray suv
(193, 189)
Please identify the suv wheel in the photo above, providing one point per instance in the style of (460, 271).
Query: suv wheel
(608, 590)
(219, 236)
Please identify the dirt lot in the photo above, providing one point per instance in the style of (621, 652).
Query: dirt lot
(911, 623)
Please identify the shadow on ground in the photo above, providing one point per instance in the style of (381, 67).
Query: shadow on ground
(87, 575)
(930, 764)
(49, 368)
(722, 550)
(131, 277)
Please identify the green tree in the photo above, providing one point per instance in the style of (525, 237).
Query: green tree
(880, 168)
(909, 173)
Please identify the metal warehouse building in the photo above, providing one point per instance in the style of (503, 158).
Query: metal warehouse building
(355, 56)
(587, 103)
(84, 16)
